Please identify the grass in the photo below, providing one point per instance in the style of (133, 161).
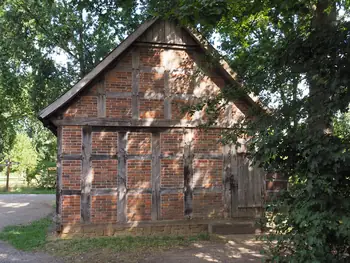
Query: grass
(121, 244)
(34, 237)
(27, 190)
(27, 237)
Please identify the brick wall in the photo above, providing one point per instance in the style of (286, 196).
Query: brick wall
(150, 108)
(150, 57)
(118, 108)
(71, 140)
(179, 109)
(139, 207)
(184, 79)
(172, 206)
(104, 173)
(139, 143)
(104, 209)
(84, 106)
(139, 174)
(105, 143)
(207, 172)
(151, 83)
(180, 83)
(117, 81)
(207, 141)
(181, 66)
(70, 209)
(207, 205)
(172, 173)
(71, 174)
(172, 142)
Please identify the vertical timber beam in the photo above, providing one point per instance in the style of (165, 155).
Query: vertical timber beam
(228, 175)
(188, 171)
(167, 99)
(86, 180)
(101, 99)
(227, 179)
(135, 83)
(155, 213)
(59, 177)
(234, 180)
(122, 190)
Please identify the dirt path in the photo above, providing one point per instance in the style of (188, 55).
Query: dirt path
(235, 248)
(10, 255)
(225, 249)
(16, 209)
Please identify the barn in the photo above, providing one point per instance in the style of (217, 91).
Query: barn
(131, 160)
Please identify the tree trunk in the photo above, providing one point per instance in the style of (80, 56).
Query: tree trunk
(319, 93)
(8, 175)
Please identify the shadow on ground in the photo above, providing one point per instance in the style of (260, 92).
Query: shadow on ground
(235, 248)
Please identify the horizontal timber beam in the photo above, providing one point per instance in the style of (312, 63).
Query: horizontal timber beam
(108, 191)
(166, 45)
(70, 192)
(132, 123)
(92, 157)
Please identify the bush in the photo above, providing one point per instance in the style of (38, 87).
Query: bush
(44, 175)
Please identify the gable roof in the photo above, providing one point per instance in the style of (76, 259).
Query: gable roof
(78, 87)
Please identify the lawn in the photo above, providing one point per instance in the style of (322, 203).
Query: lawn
(27, 190)
(27, 237)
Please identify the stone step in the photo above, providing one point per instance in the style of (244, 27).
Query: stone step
(233, 228)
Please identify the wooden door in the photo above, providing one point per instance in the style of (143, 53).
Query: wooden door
(247, 187)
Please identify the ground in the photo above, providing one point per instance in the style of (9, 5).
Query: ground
(16, 209)
(23, 209)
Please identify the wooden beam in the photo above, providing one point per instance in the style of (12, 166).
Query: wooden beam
(155, 212)
(165, 45)
(127, 129)
(101, 99)
(106, 191)
(111, 94)
(167, 93)
(59, 175)
(148, 69)
(188, 171)
(139, 157)
(71, 156)
(115, 122)
(235, 170)
(226, 179)
(171, 190)
(139, 191)
(217, 189)
(86, 182)
(135, 102)
(70, 192)
(103, 156)
(122, 177)
(208, 156)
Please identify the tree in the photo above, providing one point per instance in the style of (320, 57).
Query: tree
(293, 55)
(33, 34)
(24, 153)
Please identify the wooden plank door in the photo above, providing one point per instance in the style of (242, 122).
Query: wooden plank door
(247, 187)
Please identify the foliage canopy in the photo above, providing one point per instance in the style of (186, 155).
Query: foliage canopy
(293, 55)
